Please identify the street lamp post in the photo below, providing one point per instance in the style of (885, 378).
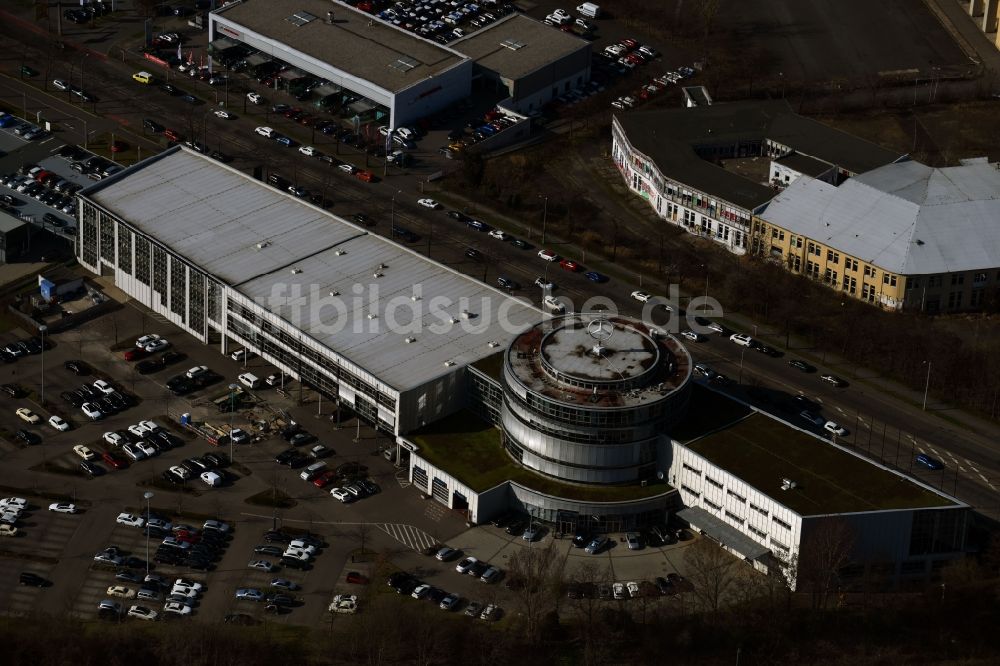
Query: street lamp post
(545, 214)
(232, 408)
(392, 213)
(927, 385)
(148, 495)
(42, 329)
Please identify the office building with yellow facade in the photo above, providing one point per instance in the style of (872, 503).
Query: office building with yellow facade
(902, 236)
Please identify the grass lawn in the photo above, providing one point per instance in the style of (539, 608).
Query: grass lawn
(471, 450)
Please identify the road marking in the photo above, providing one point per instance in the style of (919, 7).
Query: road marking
(961, 469)
(403, 478)
(408, 535)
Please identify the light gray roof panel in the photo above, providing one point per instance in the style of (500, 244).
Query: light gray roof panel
(907, 218)
(214, 216)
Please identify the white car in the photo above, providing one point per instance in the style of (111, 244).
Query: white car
(142, 613)
(181, 472)
(60, 84)
(633, 589)
(213, 479)
(835, 428)
(105, 387)
(176, 608)
(341, 494)
(406, 133)
(84, 452)
(349, 168)
(196, 371)
(552, 304)
(13, 503)
(499, 235)
(184, 591)
(223, 114)
(421, 591)
(133, 452)
(548, 255)
(216, 526)
(145, 340)
(692, 336)
(7, 530)
(344, 603)
(187, 582)
(157, 345)
(91, 411)
(255, 98)
(129, 519)
(147, 449)
(308, 151)
(544, 283)
(298, 554)
(58, 423)
(63, 507)
(618, 590)
(121, 591)
(429, 203)
(114, 439)
(27, 415)
(265, 131)
(466, 564)
(641, 296)
(741, 339)
(262, 565)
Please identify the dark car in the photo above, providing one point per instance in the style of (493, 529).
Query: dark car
(580, 539)
(27, 436)
(663, 585)
(148, 366)
(502, 520)
(301, 439)
(13, 390)
(293, 563)
(516, 527)
(171, 357)
(472, 253)
(152, 125)
(507, 283)
(275, 536)
(801, 365)
(32, 579)
(802, 402)
(91, 469)
(274, 551)
(71, 398)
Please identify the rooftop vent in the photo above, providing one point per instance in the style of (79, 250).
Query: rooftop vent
(261, 245)
(448, 364)
(334, 292)
(787, 484)
(409, 340)
(377, 274)
(454, 320)
(512, 44)
(340, 252)
(919, 242)
(492, 344)
(372, 315)
(414, 298)
(296, 271)
(299, 19)
(404, 64)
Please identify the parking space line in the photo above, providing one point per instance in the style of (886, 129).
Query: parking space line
(408, 535)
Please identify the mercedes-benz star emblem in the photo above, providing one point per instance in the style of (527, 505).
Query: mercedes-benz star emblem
(601, 330)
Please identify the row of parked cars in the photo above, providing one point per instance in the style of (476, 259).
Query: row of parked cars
(181, 545)
(25, 130)
(403, 582)
(442, 20)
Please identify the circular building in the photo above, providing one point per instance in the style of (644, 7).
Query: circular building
(587, 396)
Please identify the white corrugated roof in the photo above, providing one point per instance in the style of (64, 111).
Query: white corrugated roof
(215, 217)
(907, 218)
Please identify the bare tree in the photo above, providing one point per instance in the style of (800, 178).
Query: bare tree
(361, 533)
(827, 546)
(584, 601)
(538, 575)
(711, 572)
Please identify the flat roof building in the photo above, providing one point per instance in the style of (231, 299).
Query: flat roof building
(533, 61)
(675, 159)
(402, 75)
(353, 314)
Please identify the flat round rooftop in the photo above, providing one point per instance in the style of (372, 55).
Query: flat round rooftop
(594, 349)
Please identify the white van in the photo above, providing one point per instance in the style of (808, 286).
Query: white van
(589, 9)
(250, 381)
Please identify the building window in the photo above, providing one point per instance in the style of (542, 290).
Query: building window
(690, 490)
(934, 281)
(957, 279)
(142, 260)
(812, 270)
(761, 510)
(779, 521)
(913, 283)
(868, 271)
(979, 278)
(777, 545)
(830, 277)
(107, 230)
(160, 273)
(889, 279)
(868, 292)
(976, 299)
(691, 469)
(850, 264)
(196, 314)
(850, 285)
(833, 257)
(713, 482)
(814, 249)
(795, 263)
(712, 505)
(736, 495)
(797, 242)
(178, 288)
(125, 250)
(733, 517)
(954, 300)
(756, 532)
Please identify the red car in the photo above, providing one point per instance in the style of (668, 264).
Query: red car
(325, 479)
(187, 537)
(118, 146)
(356, 578)
(569, 265)
(366, 176)
(629, 43)
(114, 460)
(136, 354)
